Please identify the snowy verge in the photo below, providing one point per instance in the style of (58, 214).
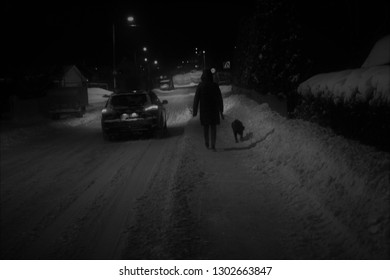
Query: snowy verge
(360, 85)
(349, 180)
(14, 133)
(185, 79)
(97, 95)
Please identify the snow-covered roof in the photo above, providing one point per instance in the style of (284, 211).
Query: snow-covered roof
(380, 53)
(69, 70)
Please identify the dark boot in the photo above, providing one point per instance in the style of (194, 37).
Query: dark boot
(206, 136)
(213, 136)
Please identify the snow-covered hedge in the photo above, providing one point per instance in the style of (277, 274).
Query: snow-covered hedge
(368, 84)
(354, 102)
(352, 86)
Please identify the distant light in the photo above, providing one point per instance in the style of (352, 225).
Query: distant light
(130, 19)
(182, 61)
(213, 70)
(188, 61)
(155, 62)
(204, 52)
(196, 66)
(146, 60)
(144, 49)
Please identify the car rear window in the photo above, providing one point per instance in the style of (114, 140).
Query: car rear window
(128, 100)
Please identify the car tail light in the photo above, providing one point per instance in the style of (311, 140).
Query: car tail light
(152, 107)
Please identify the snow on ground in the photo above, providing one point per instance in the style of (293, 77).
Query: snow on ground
(191, 84)
(97, 95)
(15, 133)
(291, 189)
(351, 86)
(339, 189)
(186, 79)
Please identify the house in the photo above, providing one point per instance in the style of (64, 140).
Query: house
(68, 93)
(70, 76)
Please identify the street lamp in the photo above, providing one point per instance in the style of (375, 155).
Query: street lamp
(131, 21)
(204, 59)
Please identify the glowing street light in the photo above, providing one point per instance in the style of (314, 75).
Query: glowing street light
(145, 49)
(204, 59)
(155, 62)
(131, 21)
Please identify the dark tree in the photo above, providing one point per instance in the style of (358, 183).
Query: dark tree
(269, 55)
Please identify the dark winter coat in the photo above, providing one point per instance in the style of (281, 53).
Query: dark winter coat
(209, 97)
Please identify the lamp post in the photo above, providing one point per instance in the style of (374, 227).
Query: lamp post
(204, 59)
(131, 23)
(145, 50)
(113, 57)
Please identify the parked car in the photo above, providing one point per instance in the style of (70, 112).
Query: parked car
(166, 83)
(135, 112)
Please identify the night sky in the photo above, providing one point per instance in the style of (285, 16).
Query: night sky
(78, 32)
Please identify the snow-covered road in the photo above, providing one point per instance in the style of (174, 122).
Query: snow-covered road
(71, 195)
(290, 190)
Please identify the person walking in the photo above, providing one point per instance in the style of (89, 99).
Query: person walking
(209, 98)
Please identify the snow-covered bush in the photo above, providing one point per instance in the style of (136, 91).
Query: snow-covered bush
(362, 85)
(355, 102)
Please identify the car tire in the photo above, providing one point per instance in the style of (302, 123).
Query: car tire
(160, 130)
(165, 129)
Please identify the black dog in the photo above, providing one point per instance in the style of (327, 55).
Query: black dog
(238, 129)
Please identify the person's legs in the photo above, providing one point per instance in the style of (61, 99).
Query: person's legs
(213, 136)
(235, 136)
(206, 135)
